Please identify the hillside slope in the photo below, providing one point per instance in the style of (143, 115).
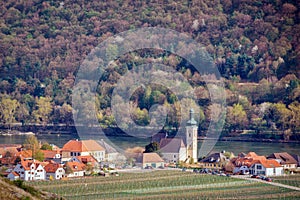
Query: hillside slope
(10, 191)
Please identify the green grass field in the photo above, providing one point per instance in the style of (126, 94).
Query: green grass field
(164, 185)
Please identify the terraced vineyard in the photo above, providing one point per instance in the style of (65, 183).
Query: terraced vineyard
(293, 180)
(164, 185)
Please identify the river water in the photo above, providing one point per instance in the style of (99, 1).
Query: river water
(261, 148)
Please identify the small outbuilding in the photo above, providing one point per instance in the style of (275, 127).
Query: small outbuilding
(152, 160)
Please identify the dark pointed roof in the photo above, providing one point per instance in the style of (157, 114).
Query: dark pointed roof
(171, 145)
(284, 157)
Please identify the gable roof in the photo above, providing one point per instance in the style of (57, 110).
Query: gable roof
(254, 156)
(82, 146)
(26, 164)
(15, 174)
(171, 145)
(108, 148)
(92, 145)
(25, 154)
(75, 166)
(52, 167)
(284, 157)
(86, 159)
(151, 158)
(267, 163)
(49, 153)
(214, 158)
(12, 150)
(74, 146)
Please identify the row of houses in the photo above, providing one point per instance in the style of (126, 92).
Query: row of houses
(31, 170)
(273, 165)
(75, 159)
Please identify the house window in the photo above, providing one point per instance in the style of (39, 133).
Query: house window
(258, 167)
(174, 156)
(274, 171)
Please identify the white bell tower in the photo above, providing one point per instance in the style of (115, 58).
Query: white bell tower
(191, 137)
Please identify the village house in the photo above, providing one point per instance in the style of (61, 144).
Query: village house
(287, 161)
(266, 168)
(214, 161)
(12, 176)
(51, 155)
(252, 163)
(82, 148)
(91, 164)
(54, 171)
(74, 169)
(30, 170)
(152, 160)
(243, 162)
(25, 154)
(9, 150)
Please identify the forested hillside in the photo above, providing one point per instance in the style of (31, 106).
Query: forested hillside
(255, 44)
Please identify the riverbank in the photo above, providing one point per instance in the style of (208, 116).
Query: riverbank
(251, 139)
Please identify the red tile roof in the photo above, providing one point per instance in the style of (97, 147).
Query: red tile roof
(254, 156)
(82, 146)
(74, 146)
(49, 153)
(25, 154)
(12, 150)
(268, 163)
(76, 166)
(52, 167)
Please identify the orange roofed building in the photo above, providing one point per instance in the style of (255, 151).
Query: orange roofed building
(75, 148)
(30, 170)
(54, 170)
(255, 164)
(266, 168)
(74, 169)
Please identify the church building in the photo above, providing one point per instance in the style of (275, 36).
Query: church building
(183, 148)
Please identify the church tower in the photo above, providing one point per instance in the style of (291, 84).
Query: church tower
(191, 137)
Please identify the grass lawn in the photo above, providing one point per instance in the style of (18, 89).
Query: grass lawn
(164, 185)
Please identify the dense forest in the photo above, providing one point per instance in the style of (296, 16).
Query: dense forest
(254, 43)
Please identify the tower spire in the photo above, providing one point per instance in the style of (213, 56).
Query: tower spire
(191, 121)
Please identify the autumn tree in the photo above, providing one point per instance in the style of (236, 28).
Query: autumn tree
(32, 143)
(46, 146)
(236, 117)
(43, 110)
(295, 116)
(8, 109)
